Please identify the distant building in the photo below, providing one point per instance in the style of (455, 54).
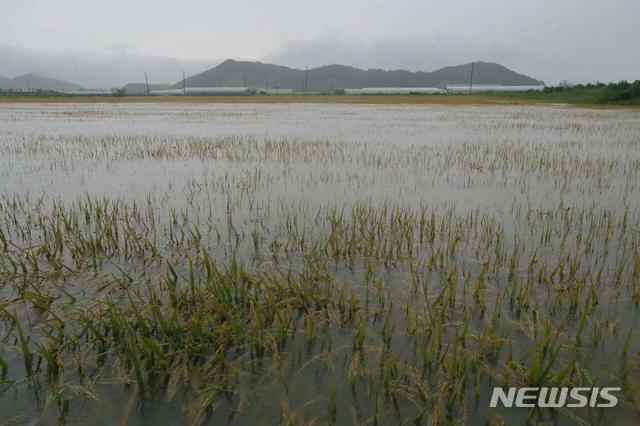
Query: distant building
(393, 91)
(275, 91)
(21, 90)
(88, 92)
(219, 91)
(461, 88)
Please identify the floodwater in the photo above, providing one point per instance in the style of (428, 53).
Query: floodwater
(473, 245)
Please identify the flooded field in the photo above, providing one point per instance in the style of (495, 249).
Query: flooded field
(290, 264)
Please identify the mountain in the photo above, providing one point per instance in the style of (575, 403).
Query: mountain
(483, 73)
(327, 78)
(141, 88)
(232, 73)
(37, 81)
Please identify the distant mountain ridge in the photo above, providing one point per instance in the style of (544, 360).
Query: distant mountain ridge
(231, 73)
(34, 81)
(328, 78)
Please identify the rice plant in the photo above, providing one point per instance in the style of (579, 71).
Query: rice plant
(315, 264)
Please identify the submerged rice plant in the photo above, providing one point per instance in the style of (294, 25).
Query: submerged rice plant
(316, 264)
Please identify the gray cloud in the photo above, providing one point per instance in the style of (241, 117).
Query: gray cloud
(100, 43)
(412, 54)
(115, 68)
(551, 63)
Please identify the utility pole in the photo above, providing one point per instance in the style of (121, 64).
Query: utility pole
(146, 81)
(184, 84)
(306, 79)
(245, 84)
(471, 78)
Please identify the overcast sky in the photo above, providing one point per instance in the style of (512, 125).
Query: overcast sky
(107, 43)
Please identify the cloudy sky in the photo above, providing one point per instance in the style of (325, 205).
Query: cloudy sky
(108, 43)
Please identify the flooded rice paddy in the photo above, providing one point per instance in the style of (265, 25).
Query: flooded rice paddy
(290, 264)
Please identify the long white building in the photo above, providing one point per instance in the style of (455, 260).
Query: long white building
(460, 88)
(219, 91)
(393, 90)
